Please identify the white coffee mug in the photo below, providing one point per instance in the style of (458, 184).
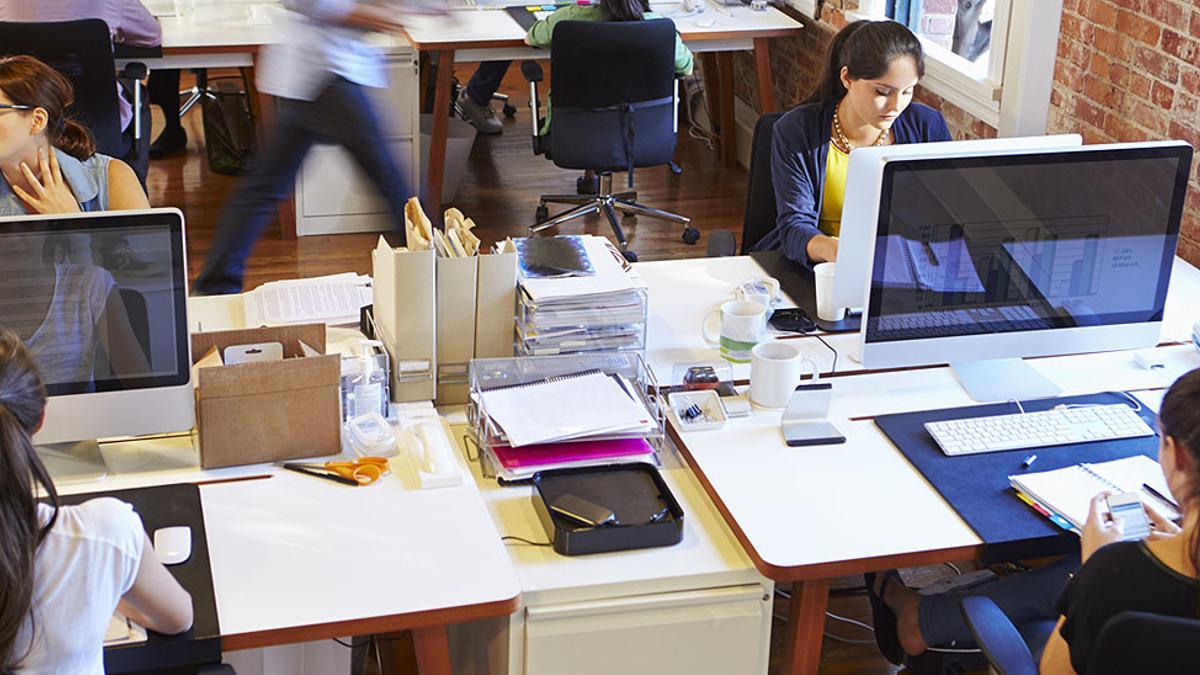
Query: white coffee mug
(775, 370)
(743, 324)
(826, 310)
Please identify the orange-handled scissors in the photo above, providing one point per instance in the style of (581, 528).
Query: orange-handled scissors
(364, 470)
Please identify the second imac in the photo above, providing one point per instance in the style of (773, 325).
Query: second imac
(979, 261)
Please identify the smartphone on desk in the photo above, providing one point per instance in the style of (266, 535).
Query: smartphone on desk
(1127, 510)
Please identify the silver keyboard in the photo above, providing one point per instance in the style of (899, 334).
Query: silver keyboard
(1038, 429)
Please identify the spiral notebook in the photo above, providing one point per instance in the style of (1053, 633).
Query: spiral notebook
(1068, 492)
(565, 408)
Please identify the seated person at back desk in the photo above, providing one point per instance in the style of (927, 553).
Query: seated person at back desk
(1156, 575)
(68, 567)
(864, 98)
(607, 10)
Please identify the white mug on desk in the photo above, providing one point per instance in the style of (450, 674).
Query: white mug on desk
(743, 324)
(775, 370)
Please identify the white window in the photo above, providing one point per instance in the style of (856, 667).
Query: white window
(986, 56)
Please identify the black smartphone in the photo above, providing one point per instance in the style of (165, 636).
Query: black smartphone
(582, 512)
(793, 320)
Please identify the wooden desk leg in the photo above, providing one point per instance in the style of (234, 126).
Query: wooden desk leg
(762, 68)
(433, 651)
(437, 140)
(724, 111)
(806, 627)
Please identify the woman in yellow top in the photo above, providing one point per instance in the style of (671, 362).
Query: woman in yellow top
(607, 10)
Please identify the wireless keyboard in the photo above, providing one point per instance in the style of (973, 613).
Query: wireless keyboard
(1063, 426)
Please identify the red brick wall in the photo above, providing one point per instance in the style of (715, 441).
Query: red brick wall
(796, 64)
(1129, 70)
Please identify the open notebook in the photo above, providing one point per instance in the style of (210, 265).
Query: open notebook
(566, 408)
(1068, 492)
(123, 631)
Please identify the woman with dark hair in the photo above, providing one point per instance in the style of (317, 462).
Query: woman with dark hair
(1158, 574)
(48, 162)
(607, 10)
(65, 569)
(864, 98)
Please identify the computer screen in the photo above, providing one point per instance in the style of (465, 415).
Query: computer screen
(985, 245)
(98, 301)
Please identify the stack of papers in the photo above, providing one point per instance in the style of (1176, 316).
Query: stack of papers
(334, 299)
(122, 631)
(583, 419)
(604, 310)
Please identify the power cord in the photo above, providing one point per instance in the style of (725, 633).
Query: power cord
(523, 541)
(832, 368)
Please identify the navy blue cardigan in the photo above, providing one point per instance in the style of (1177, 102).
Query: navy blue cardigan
(799, 151)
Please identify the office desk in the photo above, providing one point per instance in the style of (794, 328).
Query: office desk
(683, 292)
(492, 35)
(297, 559)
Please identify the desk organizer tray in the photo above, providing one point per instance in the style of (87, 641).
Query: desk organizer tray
(487, 436)
(636, 493)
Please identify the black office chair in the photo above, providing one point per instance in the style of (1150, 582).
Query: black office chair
(615, 108)
(760, 214)
(1130, 642)
(139, 318)
(83, 52)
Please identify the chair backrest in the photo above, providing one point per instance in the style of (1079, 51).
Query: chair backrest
(612, 85)
(1139, 642)
(82, 51)
(760, 191)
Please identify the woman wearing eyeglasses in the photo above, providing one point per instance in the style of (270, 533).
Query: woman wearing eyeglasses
(49, 163)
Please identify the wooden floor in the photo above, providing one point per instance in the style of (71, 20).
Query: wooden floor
(500, 192)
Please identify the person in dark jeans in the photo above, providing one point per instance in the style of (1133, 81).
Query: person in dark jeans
(475, 100)
(319, 78)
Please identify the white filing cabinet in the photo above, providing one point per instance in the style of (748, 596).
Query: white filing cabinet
(332, 194)
(696, 608)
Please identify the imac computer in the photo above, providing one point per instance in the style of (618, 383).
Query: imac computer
(981, 260)
(864, 176)
(100, 300)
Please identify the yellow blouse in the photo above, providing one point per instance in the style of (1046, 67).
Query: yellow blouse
(834, 193)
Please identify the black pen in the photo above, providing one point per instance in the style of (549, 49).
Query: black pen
(1161, 497)
(319, 474)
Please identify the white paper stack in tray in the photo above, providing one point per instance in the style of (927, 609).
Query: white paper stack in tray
(601, 311)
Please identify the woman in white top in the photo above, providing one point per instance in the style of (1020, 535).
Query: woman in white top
(65, 569)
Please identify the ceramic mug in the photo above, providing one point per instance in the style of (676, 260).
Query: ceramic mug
(743, 325)
(775, 370)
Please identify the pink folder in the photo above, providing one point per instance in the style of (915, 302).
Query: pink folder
(560, 453)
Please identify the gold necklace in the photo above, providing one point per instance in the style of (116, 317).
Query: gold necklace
(845, 142)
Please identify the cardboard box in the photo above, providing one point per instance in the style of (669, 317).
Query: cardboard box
(268, 411)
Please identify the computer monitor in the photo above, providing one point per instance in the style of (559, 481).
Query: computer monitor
(979, 261)
(864, 176)
(100, 299)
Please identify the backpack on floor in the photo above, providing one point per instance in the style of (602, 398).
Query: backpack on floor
(229, 133)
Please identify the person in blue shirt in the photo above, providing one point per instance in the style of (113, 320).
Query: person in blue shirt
(864, 98)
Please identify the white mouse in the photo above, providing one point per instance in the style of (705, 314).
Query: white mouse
(705, 21)
(173, 545)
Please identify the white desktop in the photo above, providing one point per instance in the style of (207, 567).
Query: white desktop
(100, 299)
(980, 260)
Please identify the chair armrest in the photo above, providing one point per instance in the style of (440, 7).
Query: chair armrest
(995, 634)
(533, 73)
(532, 70)
(134, 70)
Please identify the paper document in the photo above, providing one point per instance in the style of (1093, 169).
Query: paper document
(122, 631)
(334, 299)
(609, 277)
(565, 408)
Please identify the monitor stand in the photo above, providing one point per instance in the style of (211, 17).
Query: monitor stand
(71, 463)
(1003, 380)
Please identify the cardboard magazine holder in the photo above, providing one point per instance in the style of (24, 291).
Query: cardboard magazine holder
(267, 411)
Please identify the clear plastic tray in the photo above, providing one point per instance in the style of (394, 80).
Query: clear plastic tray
(485, 374)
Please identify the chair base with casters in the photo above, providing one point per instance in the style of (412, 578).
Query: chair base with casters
(607, 202)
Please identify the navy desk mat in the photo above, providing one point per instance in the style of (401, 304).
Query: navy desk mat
(165, 506)
(977, 486)
(798, 283)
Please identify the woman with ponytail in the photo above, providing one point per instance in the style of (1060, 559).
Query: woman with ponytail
(49, 162)
(1159, 574)
(65, 569)
(863, 98)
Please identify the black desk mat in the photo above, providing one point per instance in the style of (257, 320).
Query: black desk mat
(977, 487)
(798, 283)
(165, 506)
